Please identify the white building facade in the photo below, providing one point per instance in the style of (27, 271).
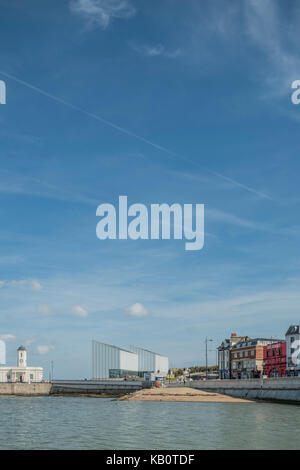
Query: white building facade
(112, 362)
(21, 373)
(149, 361)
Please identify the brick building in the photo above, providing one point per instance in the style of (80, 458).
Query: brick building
(224, 356)
(247, 357)
(275, 359)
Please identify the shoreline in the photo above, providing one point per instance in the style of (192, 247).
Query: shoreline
(181, 395)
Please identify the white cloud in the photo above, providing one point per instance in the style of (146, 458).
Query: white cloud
(45, 310)
(36, 285)
(137, 310)
(44, 349)
(101, 12)
(79, 311)
(7, 337)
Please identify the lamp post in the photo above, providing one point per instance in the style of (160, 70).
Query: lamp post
(206, 341)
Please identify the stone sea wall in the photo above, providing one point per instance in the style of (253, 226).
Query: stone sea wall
(277, 389)
(24, 389)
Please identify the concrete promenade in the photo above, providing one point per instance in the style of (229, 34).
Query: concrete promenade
(286, 389)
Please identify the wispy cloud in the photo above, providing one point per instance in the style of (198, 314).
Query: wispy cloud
(262, 24)
(44, 349)
(12, 183)
(155, 50)
(7, 337)
(45, 310)
(266, 29)
(77, 311)
(31, 284)
(101, 12)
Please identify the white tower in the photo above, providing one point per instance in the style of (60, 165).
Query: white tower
(22, 357)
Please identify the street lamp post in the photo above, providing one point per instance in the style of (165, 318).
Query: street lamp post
(206, 341)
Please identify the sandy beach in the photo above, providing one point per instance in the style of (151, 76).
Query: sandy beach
(181, 394)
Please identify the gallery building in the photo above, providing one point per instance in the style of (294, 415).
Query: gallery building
(111, 362)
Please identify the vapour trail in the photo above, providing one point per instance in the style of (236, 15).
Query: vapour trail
(129, 133)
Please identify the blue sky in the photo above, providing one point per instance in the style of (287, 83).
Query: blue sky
(199, 97)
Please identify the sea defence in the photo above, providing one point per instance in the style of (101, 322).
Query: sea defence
(101, 388)
(97, 387)
(25, 389)
(284, 389)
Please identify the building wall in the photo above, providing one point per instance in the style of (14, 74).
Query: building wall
(275, 359)
(28, 374)
(104, 357)
(128, 361)
(161, 364)
(150, 361)
(146, 359)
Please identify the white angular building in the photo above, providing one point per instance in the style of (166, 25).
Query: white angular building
(149, 361)
(113, 362)
(21, 373)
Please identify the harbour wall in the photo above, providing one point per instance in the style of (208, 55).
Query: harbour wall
(24, 389)
(285, 389)
(104, 388)
(96, 387)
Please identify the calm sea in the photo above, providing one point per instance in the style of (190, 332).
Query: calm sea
(98, 423)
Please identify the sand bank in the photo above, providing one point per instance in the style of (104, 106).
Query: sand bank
(181, 394)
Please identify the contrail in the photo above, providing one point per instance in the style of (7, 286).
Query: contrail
(92, 115)
(243, 186)
(129, 133)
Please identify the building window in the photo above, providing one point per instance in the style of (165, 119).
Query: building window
(246, 353)
(252, 353)
(31, 376)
